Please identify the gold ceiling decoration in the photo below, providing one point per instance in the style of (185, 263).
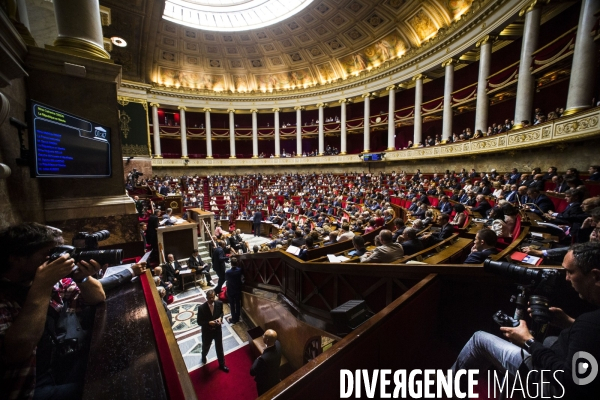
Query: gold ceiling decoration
(327, 42)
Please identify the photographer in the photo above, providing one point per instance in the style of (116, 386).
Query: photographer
(37, 298)
(582, 265)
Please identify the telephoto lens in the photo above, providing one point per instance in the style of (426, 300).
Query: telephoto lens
(110, 257)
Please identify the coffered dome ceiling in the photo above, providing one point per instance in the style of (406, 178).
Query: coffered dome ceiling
(326, 41)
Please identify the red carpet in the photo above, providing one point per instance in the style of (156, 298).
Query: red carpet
(210, 382)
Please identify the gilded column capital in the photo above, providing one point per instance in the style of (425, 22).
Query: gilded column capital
(299, 108)
(532, 5)
(275, 110)
(182, 108)
(206, 110)
(366, 95)
(321, 105)
(391, 87)
(342, 101)
(254, 110)
(450, 61)
(231, 110)
(154, 105)
(417, 77)
(484, 40)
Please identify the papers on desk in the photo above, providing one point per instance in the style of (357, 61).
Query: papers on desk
(525, 258)
(537, 235)
(549, 225)
(293, 250)
(185, 271)
(333, 258)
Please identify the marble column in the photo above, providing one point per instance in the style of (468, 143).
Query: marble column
(298, 130)
(418, 128)
(525, 85)
(231, 112)
(483, 102)
(321, 129)
(583, 69)
(343, 128)
(183, 130)
(448, 88)
(391, 118)
(277, 135)
(254, 133)
(367, 123)
(209, 154)
(156, 130)
(79, 28)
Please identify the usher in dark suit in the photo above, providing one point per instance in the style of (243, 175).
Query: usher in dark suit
(210, 333)
(257, 220)
(169, 270)
(265, 368)
(218, 259)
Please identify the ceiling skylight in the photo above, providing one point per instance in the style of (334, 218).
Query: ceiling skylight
(231, 15)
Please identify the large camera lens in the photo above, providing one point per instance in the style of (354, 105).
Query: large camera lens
(110, 257)
(522, 274)
(539, 306)
(101, 235)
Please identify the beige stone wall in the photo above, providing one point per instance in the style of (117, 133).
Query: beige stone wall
(563, 155)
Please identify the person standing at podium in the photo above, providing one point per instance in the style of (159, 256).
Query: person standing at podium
(256, 221)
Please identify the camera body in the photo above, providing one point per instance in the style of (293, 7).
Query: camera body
(534, 285)
(85, 248)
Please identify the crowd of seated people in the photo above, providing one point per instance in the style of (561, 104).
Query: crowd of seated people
(494, 129)
(329, 207)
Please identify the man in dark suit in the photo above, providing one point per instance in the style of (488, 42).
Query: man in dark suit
(410, 242)
(483, 247)
(594, 171)
(210, 319)
(444, 233)
(257, 220)
(541, 203)
(573, 213)
(164, 190)
(218, 260)
(171, 270)
(482, 205)
(444, 205)
(200, 267)
(513, 195)
(265, 368)
(235, 282)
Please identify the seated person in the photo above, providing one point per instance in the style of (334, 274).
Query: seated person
(483, 247)
(345, 233)
(445, 232)
(386, 252)
(196, 264)
(400, 226)
(410, 242)
(521, 352)
(358, 242)
(370, 227)
(481, 207)
(237, 242)
(459, 217)
(171, 269)
(158, 279)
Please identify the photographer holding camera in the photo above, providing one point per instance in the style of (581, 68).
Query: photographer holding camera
(523, 353)
(40, 335)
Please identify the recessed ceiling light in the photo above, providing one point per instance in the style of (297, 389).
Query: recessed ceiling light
(117, 41)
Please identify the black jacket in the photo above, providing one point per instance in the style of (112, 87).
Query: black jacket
(478, 257)
(265, 368)
(205, 316)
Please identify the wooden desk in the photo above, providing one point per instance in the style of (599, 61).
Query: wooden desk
(178, 240)
(244, 225)
(446, 255)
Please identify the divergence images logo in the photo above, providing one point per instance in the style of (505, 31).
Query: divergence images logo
(584, 363)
